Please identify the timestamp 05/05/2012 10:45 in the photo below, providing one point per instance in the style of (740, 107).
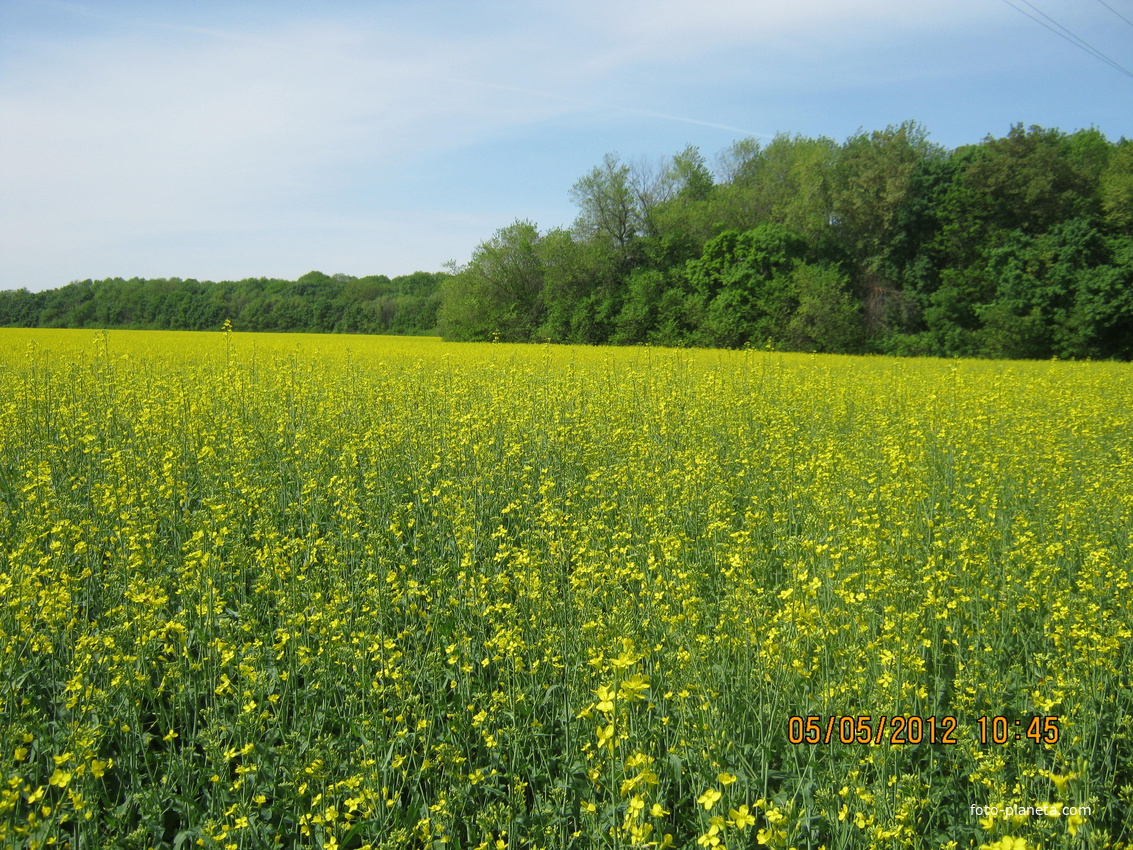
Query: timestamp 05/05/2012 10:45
(905, 729)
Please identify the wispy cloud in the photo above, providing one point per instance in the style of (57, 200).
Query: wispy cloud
(162, 127)
(129, 128)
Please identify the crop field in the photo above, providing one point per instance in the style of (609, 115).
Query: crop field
(366, 592)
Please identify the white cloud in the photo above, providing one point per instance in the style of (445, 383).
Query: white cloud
(203, 132)
(212, 127)
(703, 25)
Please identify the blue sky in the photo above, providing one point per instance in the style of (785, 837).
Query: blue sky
(223, 140)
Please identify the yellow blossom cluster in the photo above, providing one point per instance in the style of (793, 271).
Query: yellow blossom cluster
(365, 592)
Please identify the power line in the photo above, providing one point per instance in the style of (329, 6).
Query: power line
(1116, 12)
(1079, 40)
(1062, 32)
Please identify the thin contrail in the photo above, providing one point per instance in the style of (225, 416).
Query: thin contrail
(78, 8)
(594, 104)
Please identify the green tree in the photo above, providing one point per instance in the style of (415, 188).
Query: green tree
(638, 317)
(1116, 188)
(583, 288)
(1032, 179)
(610, 206)
(827, 318)
(678, 226)
(874, 184)
(689, 176)
(743, 261)
(743, 279)
(1101, 318)
(1065, 292)
(788, 182)
(498, 295)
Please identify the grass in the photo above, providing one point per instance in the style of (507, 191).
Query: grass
(352, 592)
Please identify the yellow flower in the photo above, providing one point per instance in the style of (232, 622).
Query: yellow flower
(60, 778)
(605, 699)
(627, 657)
(1060, 782)
(741, 817)
(709, 798)
(710, 838)
(634, 685)
(1074, 823)
(605, 736)
(725, 778)
(1006, 843)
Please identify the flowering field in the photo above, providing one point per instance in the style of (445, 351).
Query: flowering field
(375, 592)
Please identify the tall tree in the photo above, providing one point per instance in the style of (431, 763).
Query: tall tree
(744, 280)
(610, 206)
(583, 285)
(787, 182)
(1031, 179)
(874, 184)
(678, 227)
(499, 294)
(1116, 185)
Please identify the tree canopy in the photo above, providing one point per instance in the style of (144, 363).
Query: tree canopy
(315, 303)
(1020, 246)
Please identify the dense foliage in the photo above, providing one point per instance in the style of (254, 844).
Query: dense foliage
(380, 593)
(315, 303)
(1019, 246)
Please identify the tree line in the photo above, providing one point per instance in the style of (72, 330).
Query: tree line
(315, 303)
(1020, 246)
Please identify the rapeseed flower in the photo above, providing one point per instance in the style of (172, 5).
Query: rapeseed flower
(709, 798)
(741, 818)
(413, 572)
